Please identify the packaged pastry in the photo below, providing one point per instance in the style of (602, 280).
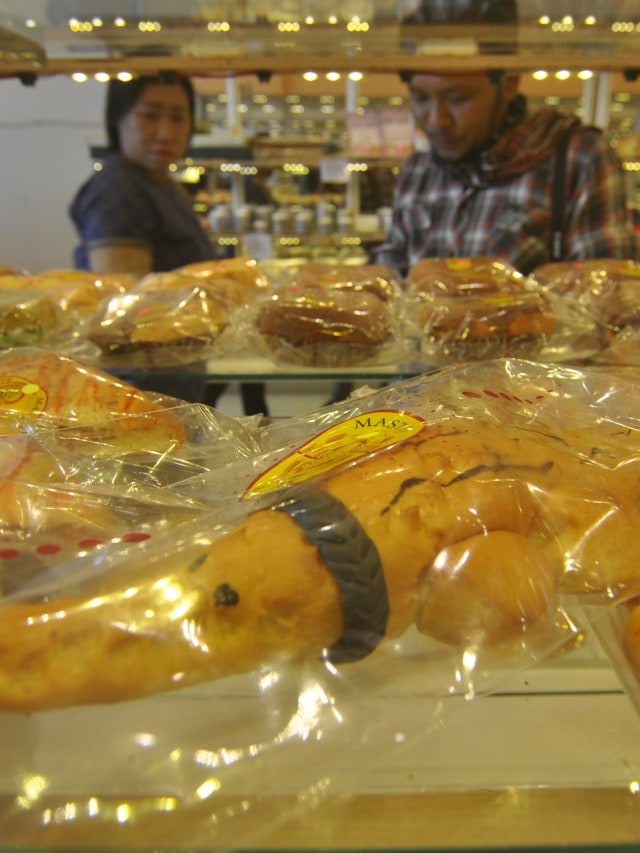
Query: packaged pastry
(323, 327)
(80, 291)
(607, 288)
(165, 319)
(42, 390)
(460, 328)
(452, 505)
(243, 275)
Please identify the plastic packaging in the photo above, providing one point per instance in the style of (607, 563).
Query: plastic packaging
(330, 315)
(177, 317)
(470, 309)
(428, 538)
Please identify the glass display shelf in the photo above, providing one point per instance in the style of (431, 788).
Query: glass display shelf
(258, 369)
(550, 761)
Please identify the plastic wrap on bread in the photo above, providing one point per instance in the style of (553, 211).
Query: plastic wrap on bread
(469, 309)
(176, 317)
(87, 462)
(28, 318)
(464, 505)
(608, 290)
(330, 315)
(618, 631)
(377, 279)
(247, 620)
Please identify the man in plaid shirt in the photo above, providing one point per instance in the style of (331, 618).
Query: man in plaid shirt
(484, 186)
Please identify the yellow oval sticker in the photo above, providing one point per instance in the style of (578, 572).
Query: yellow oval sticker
(21, 395)
(339, 444)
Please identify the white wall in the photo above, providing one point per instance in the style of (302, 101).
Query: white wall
(44, 157)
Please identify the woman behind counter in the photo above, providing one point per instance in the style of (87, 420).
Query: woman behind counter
(132, 217)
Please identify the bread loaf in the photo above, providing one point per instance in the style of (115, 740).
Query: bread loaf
(467, 529)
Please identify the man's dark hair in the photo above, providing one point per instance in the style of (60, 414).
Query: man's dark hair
(122, 95)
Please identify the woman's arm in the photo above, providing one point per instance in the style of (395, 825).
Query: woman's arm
(120, 257)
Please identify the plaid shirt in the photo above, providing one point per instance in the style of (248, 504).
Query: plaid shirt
(442, 211)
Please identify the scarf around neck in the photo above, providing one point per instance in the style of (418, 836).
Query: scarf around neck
(520, 147)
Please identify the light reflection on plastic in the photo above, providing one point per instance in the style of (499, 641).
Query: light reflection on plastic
(220, 758)
(189, 630)
(93, 807)
(46, 617)
(173, 592)
(145, 739)
(211, 786)
(123, 813)
(634, 787)
(65, 813)
(307, 717)
(269, 680)
(34, 786)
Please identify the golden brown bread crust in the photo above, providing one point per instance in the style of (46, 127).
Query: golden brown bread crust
(241, 613)
(491, 491)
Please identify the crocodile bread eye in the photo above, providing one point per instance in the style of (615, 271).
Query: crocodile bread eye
(226, 596)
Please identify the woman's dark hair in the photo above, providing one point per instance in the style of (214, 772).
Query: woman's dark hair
(123, 94)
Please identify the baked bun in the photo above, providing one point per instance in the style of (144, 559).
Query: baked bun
(231, 272)
(326, 327)
(476, 276)
(91, 410)
(480, 327)
(167, 318)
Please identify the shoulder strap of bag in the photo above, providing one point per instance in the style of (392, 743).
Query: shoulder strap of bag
(556, 248)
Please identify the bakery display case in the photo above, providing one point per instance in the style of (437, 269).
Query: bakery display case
(426, 745)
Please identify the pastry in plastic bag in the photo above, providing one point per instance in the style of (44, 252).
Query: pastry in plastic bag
(468, 521)
(326, 327)
(43, 390)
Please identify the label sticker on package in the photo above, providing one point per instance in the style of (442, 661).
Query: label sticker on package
(339, 444)
(21, 395)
